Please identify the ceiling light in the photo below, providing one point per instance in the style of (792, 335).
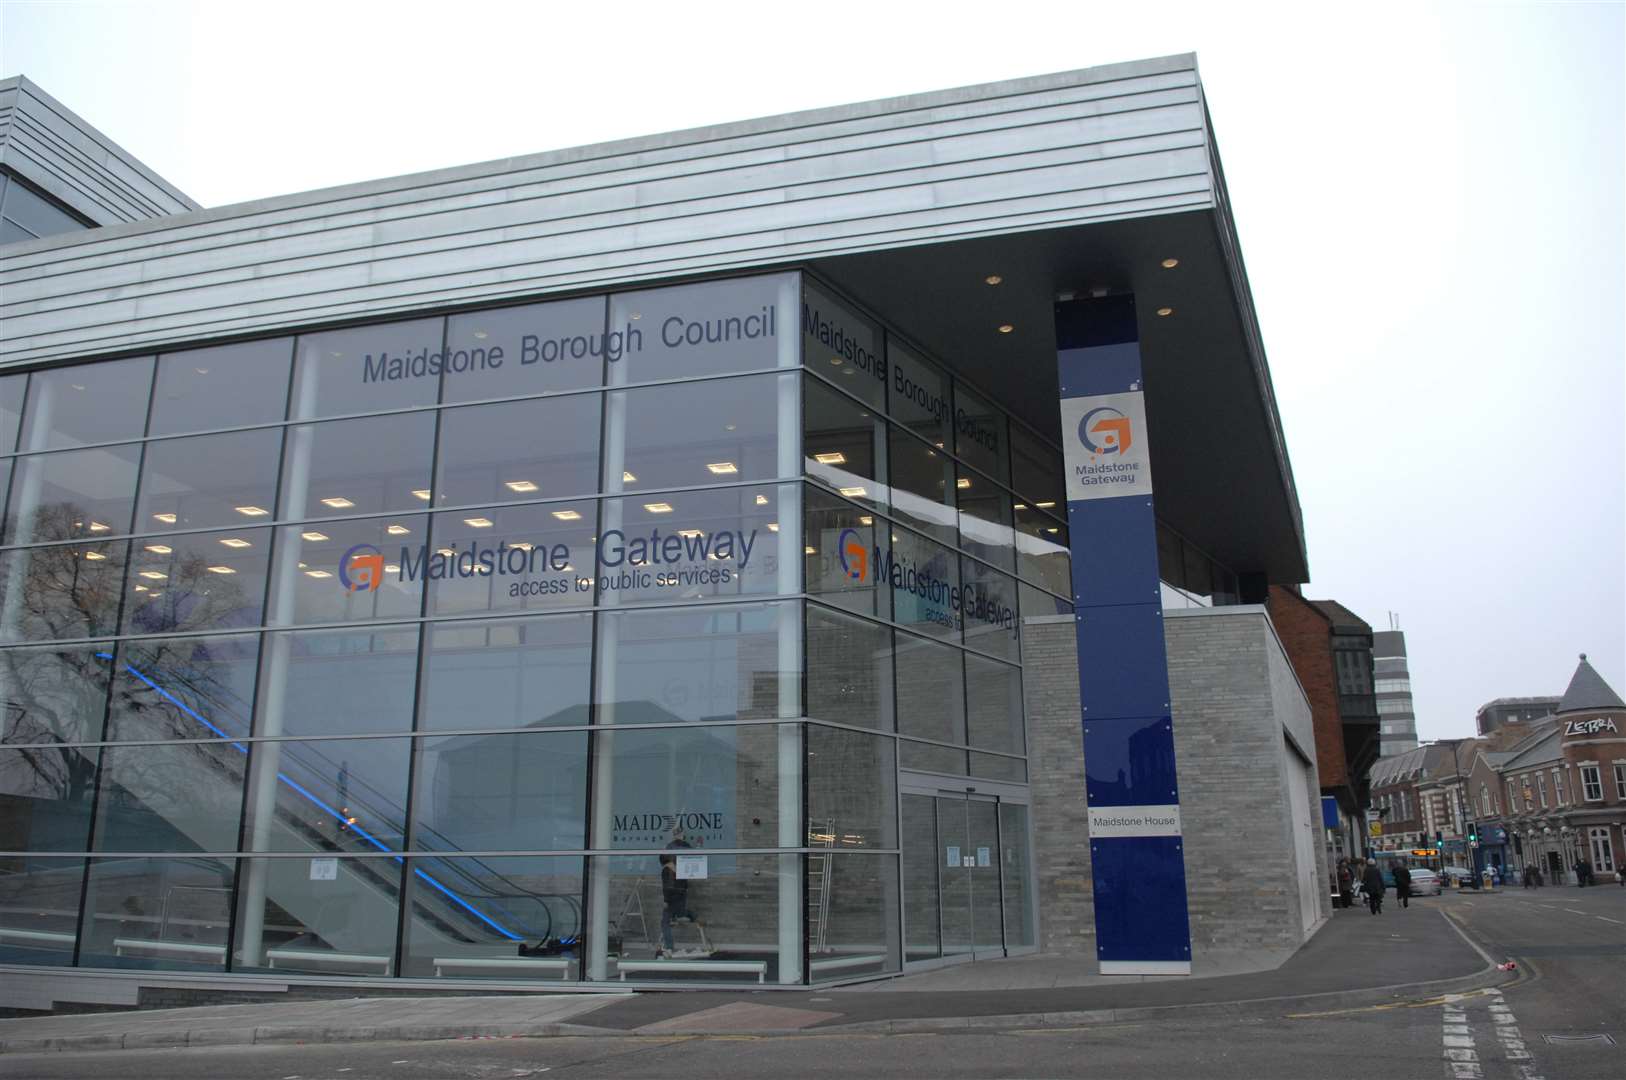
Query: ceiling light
(658, 508)
(318, 574)
(140, 588)
(1020, 506)
(445, 552)
(809, 550)
(478, 522)
(1170, 264)
(866, 520)
(236, 542)
(628, 478)
(396, 530)
(963, 482)
(246, 511)
(167, 519)
(221, 570)
(95, 556)
(1005, 328)
(523, 545)
(338, 502)
(523, 487)
(773, 526)
(1052, 529)
(421, 493)
(481, 335)
(1045, 505)
(201, 370)
(992, 279)
(160, 549)
(853, 492)
(723, 468)
(730, 427)
(567, 515)
(392, 568)
(96, 526)
(762, 500)
(313, 535)
(154, 575)
(833, 457)
(836, 360)
(689, 532)
(1165, 311)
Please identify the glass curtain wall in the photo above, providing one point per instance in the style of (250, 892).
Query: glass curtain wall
(413, 649)
(577, 640)
(934, 531)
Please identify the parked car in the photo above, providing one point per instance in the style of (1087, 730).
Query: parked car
(1425, 883)
(1458, 874)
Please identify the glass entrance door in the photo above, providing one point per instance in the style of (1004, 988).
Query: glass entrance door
(955, 864)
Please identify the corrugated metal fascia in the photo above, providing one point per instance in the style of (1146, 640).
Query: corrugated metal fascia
(133, 282)
(71, 160)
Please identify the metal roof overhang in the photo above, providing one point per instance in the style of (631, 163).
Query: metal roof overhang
(1221, 473)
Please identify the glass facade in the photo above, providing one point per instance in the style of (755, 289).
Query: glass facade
(616, 625)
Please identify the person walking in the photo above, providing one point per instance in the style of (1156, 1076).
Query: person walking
(1372, 882)
(1346, 884)
(1402, 886)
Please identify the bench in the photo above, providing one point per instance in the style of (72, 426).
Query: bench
(180, 950)
(744, 967)
(445, 965)
(321, 958)
(841, 963)
(35, 937)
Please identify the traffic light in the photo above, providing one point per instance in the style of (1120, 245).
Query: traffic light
(1473, 834)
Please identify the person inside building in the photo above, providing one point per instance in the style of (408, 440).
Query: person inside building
(1372, 883)
(675, 897)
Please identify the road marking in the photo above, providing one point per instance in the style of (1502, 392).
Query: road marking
(1606, 918)
(1573, 911)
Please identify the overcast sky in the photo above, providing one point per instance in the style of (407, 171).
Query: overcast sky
(1430, 201)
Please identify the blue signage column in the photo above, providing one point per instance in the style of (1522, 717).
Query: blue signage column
(1141, 925)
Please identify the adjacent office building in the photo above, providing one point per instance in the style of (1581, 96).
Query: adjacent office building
(400, 574)
(1392, 683)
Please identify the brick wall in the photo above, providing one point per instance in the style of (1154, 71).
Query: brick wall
(1306, 635)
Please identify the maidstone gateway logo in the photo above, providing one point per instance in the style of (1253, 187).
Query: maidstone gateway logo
(1112, 431)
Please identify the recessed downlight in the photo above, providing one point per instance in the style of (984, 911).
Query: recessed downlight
(992, 279)
(1170, 264)
(1005, 328)
(1165, 311)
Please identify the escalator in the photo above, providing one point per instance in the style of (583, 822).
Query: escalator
(329, 904)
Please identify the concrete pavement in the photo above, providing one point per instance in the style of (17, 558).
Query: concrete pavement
(1355, 959)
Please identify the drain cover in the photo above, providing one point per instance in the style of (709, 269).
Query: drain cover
(1564, 1040)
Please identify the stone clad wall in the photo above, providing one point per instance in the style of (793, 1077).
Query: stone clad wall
(1061, 843)
(1237, 707)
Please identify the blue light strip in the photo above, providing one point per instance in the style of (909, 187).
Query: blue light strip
(335, 814)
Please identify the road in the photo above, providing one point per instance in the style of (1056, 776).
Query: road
(1570, 944)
